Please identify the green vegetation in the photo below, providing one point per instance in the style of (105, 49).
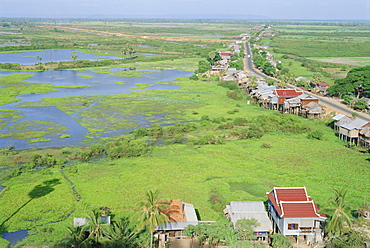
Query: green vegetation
(151, 214)
(357, 83)
(14, 85)
(39, 140)
(63, 136)
(213, 147)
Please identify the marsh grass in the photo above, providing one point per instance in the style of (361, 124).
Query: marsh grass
(32, 129)
(14, 85)
(39, 140)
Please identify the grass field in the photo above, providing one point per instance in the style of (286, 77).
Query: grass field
(45, 200)
(238, 170)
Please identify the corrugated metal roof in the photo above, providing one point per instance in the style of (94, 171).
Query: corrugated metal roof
(250, 210)
(190, 212)
(358, 123)
(347, 126)
(338, 117)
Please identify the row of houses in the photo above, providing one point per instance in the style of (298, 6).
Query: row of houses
(285, 100)
(223, 64)
(352, 130)
(290, 212)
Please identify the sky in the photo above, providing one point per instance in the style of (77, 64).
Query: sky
(212, 9)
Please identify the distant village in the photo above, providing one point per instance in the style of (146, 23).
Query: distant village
(353, 130)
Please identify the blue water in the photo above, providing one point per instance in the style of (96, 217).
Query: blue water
(98, 84)
(14, 237)
(30, 58)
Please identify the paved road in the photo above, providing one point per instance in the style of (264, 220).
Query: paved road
(331, 103)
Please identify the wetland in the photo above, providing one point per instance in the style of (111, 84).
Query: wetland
(64, 131)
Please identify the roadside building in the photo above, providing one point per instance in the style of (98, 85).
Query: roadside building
(350, 132)
(339, 120)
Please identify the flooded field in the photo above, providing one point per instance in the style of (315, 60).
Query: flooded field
(34, 125)
(31, 58)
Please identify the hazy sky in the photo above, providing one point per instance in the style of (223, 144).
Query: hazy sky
(246, 9)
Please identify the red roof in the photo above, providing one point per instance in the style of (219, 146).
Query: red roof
(293, 202)
(291, 194)
(287, 93)
(298, 209)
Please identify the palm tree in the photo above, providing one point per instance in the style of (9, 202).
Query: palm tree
(339, 212)
(76, 237)
(96, 227)
(121, 234)
(212, 56)
(151, 214)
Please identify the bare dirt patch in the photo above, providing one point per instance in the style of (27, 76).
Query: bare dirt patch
(347, 61)
(139, 36)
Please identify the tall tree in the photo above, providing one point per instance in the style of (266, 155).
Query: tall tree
(212, 56)
(339, 212)
(151, 213)
(74, 55)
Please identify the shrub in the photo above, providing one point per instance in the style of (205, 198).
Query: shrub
(225, 126)
(266, 145)
(126, 148)
(156, 131)
(140, 132)
(66, 150)
(240, 122)
(236, 94)
(97, 149)
(228, 84)
(315, 135)
(178, 139)
(280, 241)
(205, 118)
(218, 120)
(71, 169)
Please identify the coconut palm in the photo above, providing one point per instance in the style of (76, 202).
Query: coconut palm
(77, 237)
(120, 234)
(339, 212)
(212, 56)
(151, 214)
(96, 227)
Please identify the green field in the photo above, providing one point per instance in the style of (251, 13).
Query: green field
(45, 199)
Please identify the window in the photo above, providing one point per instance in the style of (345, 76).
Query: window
(292, 226)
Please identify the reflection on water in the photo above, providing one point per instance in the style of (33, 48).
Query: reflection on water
(96, 84)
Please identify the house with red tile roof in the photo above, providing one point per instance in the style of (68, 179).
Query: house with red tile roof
(279, 96)
(294, 213)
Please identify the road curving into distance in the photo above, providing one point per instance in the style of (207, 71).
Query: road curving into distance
(327, 102)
